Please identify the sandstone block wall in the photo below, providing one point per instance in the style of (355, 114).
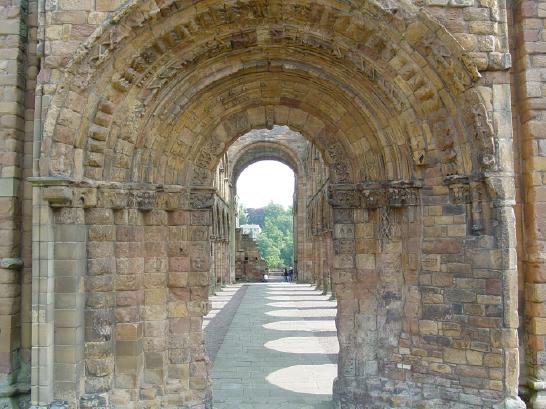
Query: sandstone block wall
(429, 120)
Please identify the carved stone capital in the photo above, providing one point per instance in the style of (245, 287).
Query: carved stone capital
(374, 195)
(142, 200)
(398, 193)
(202, 198)
(343, 196)
(58, 196)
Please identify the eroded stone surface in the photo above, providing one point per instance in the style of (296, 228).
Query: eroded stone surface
(124, 114)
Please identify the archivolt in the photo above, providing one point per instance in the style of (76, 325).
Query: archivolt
(378, 87)
(262, 150)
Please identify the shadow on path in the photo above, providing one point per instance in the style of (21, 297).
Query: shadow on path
(274, 362)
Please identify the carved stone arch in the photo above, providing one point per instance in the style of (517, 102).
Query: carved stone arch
(336, 154)
(360, 95)
(264, 150)
(435, 45)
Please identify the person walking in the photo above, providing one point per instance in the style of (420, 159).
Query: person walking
(291, 274)
(285, 274)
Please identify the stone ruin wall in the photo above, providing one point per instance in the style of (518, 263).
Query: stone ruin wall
(249, 265)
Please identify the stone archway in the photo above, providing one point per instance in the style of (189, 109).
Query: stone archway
(423, 262)
(287, 147)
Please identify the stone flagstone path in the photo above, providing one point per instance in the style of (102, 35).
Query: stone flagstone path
(273, 346)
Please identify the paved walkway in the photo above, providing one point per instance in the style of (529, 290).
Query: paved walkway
(273, 346)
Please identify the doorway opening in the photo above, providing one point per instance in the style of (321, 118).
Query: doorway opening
(264, 237)
(271, 334)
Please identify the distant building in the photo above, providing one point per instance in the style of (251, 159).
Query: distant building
(251, 229)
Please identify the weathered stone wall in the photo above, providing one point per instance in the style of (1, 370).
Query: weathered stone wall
(18, 22)
(249, 265)
(528, 92)
(421, 317)
(131, 273)
(386, 91)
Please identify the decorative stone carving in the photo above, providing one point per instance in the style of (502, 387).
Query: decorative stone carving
(373, 198)
(477, 211)
(344, 246)
(402, 196)
(444, 132)
(168, 200)
(85, 197)
(373, 195)
(459, 189)
(143, 200)
(201, 176)
(340, 167)
(462, 190)
(385, 226)
(201, 199)
(389, 194)
(102, 324)
(112, 198)
(485, 136)
(483, 130)
(343, 196)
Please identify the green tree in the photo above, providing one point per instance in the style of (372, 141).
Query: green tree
(276, 241)
(243, 216)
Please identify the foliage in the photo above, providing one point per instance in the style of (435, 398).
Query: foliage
(276, 241)
(256, 216)
(243, 216)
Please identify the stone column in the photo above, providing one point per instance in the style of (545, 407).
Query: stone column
(13, 37)
(530, 141)
(326, 263)
(372, 281)
(299, 226)
(99, 341)
(45, 192)
(70, 235)
(344, 269)
(198, 306)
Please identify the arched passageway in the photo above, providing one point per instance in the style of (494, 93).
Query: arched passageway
(410, 186)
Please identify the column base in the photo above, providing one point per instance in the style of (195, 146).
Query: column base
(56, 404)
(94, 401)
(538, 400)
(511, 403)
(16, 396)
(537, 389)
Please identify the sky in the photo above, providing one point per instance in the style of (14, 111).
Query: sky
(266, 181)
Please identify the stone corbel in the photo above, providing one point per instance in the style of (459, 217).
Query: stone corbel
(58, 196)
